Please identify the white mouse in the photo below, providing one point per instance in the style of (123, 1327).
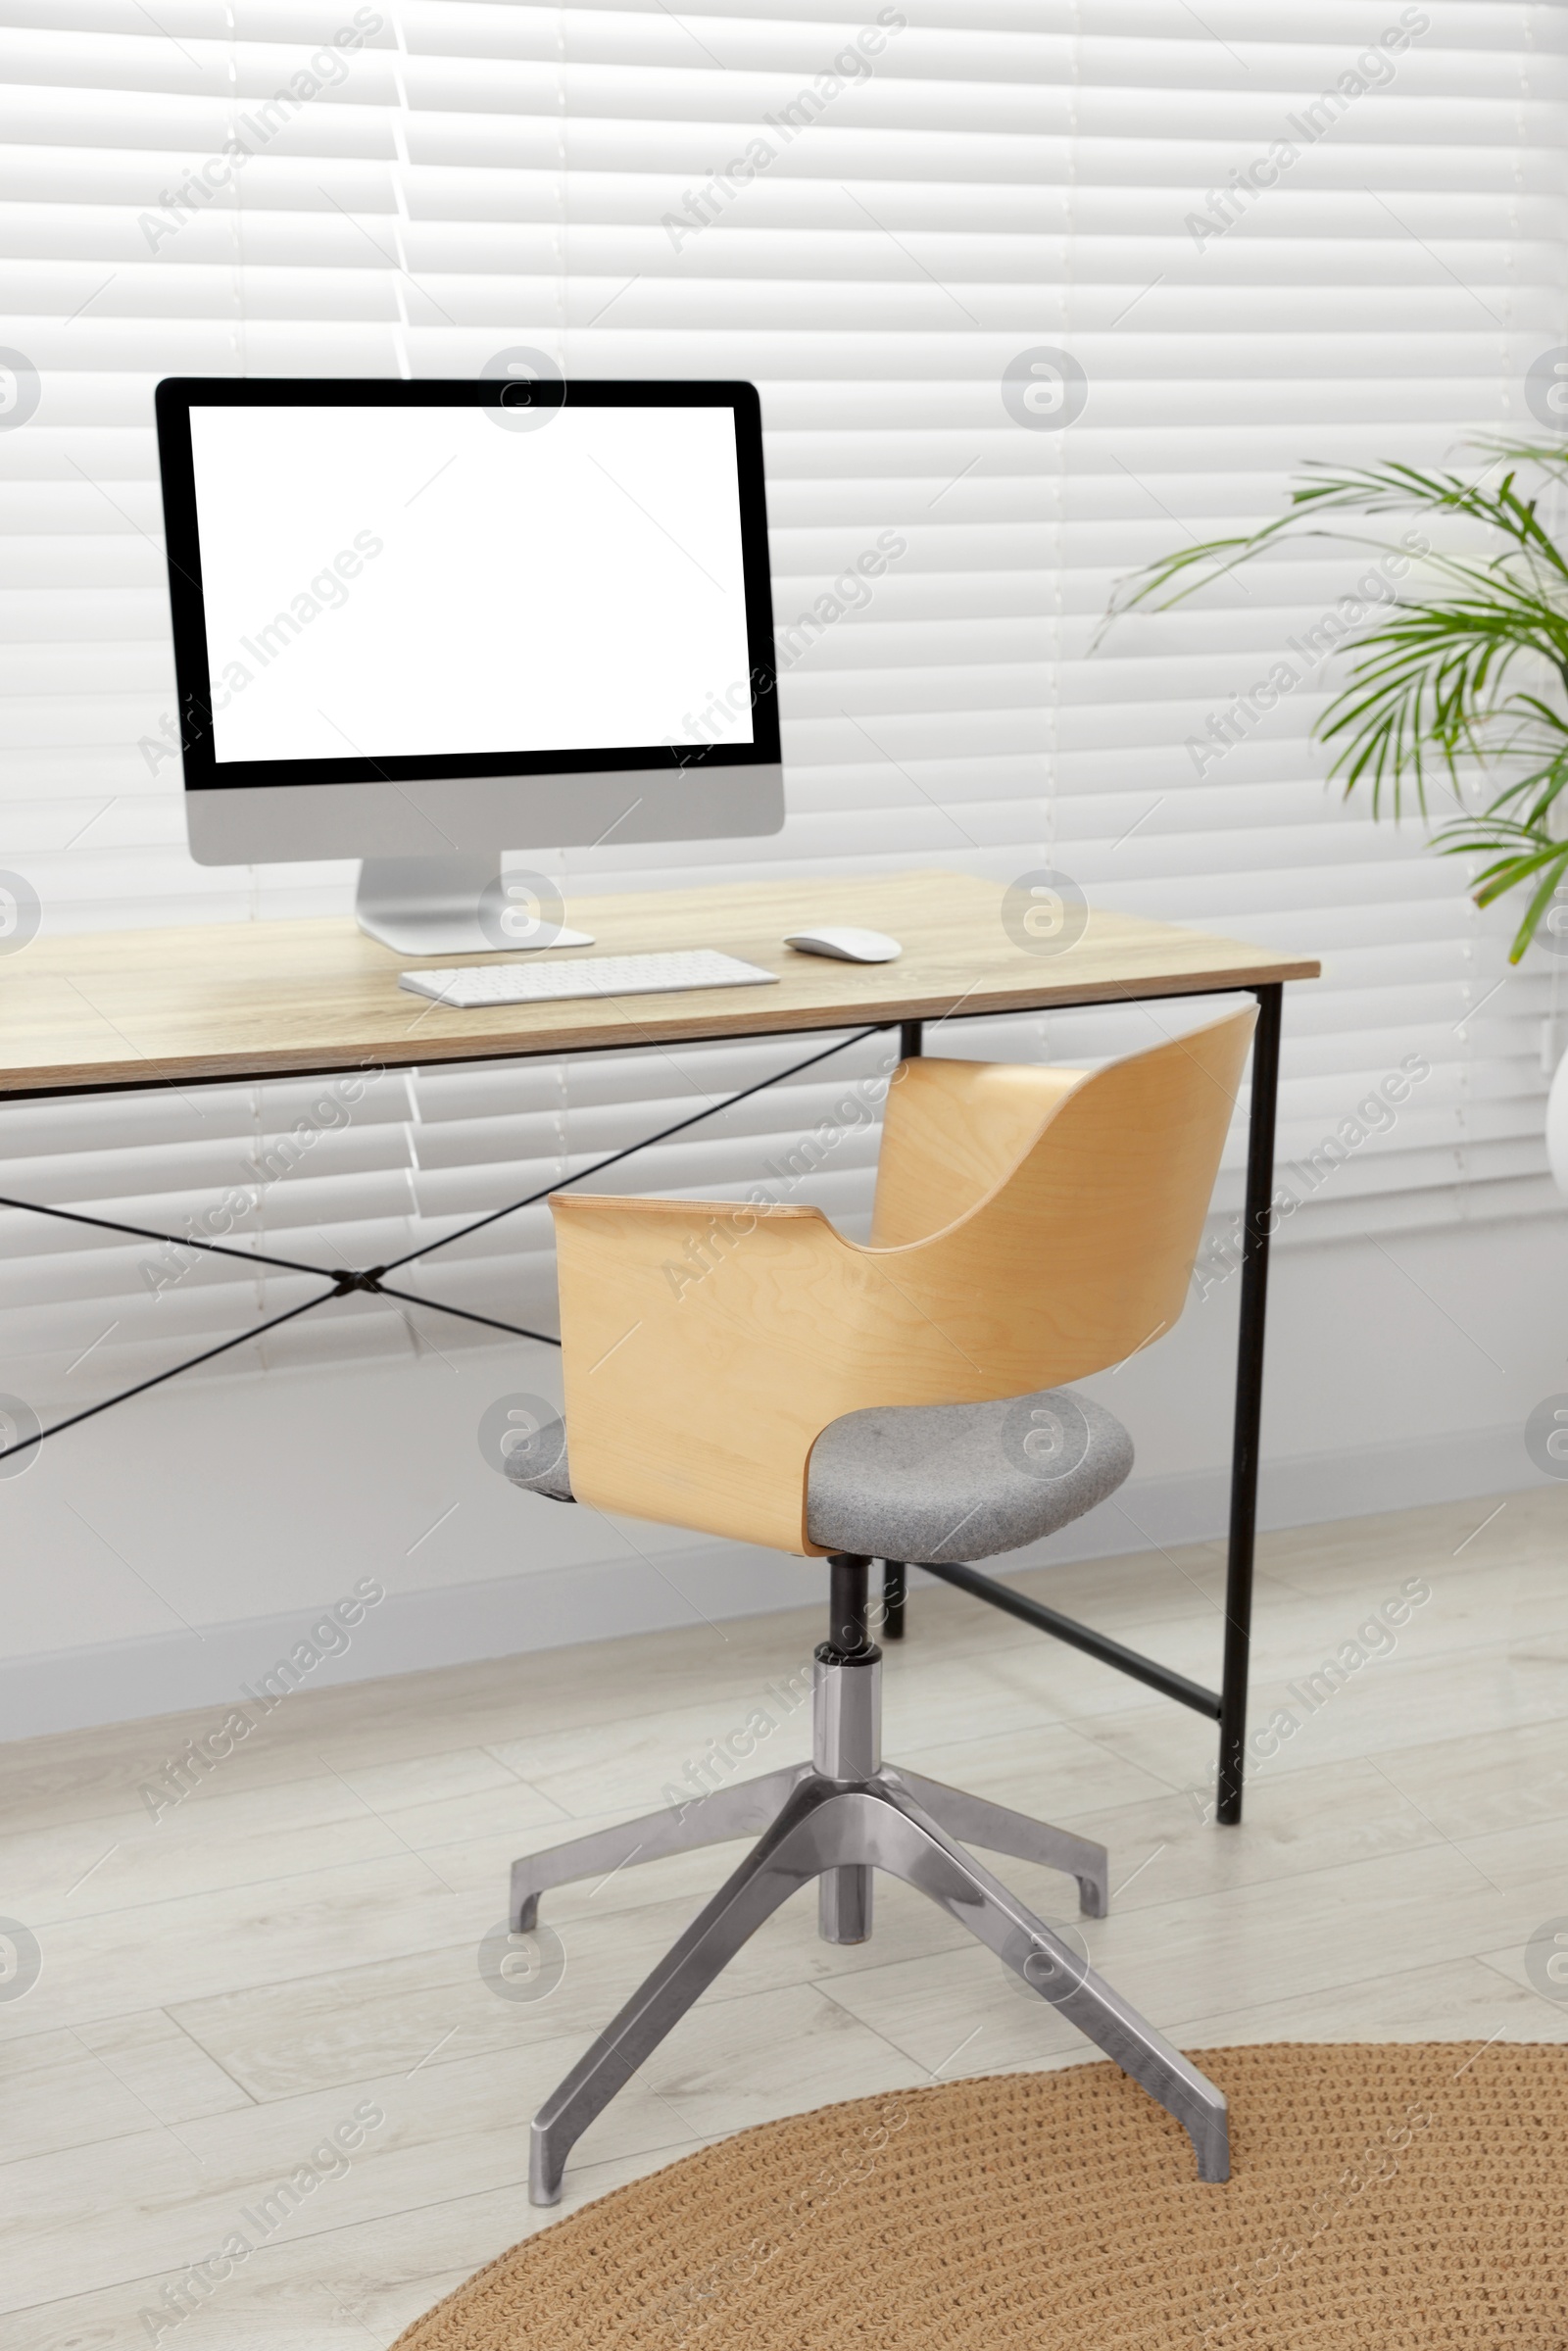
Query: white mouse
(849, 946)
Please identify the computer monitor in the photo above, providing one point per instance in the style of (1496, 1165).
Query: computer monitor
(423, 623)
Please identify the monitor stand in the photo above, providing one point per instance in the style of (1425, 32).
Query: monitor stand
(428, 905)
(458, 904)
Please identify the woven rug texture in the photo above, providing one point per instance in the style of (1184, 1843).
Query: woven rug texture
(1381, 2195)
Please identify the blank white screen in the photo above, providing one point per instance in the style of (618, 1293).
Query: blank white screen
(385, 582)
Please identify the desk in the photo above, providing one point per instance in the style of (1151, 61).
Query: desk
(133, 1009)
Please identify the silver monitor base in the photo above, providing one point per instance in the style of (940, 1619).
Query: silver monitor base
(458, 905)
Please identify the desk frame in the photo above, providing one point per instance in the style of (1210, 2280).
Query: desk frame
(1228, 1707)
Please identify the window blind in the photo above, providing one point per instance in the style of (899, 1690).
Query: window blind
(1031, 292)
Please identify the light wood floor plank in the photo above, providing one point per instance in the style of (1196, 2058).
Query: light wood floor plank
(300, 1935)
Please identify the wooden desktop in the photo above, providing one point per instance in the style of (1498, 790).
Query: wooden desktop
(252, 1000)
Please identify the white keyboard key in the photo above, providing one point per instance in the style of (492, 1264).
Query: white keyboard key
(476, 985)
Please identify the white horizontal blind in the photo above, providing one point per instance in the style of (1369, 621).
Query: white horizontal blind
(874, 218)
(352, 1172)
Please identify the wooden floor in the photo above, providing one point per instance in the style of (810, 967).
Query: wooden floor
(298, 1940)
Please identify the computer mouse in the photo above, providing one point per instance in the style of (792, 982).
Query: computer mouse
(849, 946)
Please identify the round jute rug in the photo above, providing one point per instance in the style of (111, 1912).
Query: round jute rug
(1381, 2196)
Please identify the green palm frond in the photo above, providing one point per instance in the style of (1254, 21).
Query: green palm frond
(1436, 686)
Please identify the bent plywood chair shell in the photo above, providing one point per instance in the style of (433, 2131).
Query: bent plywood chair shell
(1031, 1227)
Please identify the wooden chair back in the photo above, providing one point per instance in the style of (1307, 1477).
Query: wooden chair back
(1031, 1227)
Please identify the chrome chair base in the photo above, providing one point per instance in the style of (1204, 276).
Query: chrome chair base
(837, 1819)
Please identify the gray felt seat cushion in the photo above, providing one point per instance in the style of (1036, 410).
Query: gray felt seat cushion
(956, 1482)
(946, 1483)
(539, 1465)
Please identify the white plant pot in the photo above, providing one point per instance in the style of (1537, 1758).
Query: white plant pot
(1557, 1126)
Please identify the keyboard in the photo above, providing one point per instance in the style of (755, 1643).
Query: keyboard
(479, 984)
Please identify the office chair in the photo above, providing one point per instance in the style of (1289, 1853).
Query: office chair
(748, 1372)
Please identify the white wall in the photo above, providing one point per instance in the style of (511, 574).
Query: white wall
(162, 1555)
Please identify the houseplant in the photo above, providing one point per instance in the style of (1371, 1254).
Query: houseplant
(1459, 685)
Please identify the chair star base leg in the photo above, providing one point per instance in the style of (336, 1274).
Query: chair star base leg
(837, 1820)
(838, 1831)
(744, 1810)
(995, 1829)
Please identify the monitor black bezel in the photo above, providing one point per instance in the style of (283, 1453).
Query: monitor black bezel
(174, 401)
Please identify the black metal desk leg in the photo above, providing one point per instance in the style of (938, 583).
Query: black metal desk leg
(911, 1044)
(1258, 1224)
